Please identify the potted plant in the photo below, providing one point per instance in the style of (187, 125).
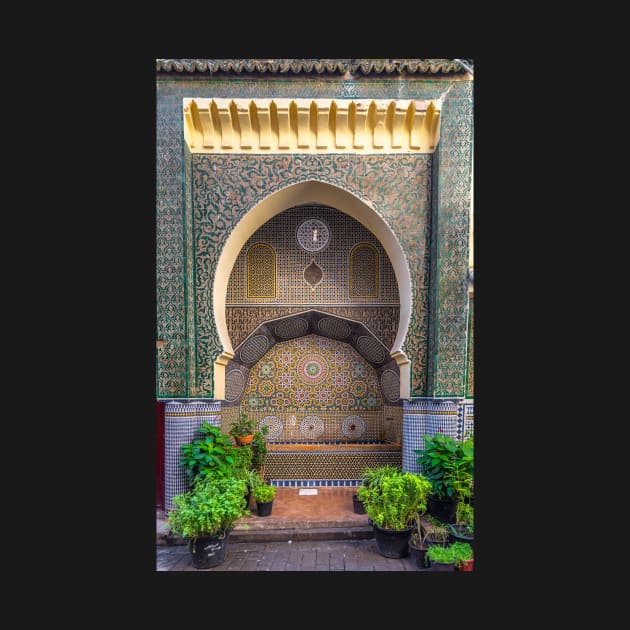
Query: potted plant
(357, 501)
(242, 467)
(263, 495)
(417, 549)
(243, 429)
(448, 465)
(243, 457)
(392, 502)
(463, 553)
(259, 449)
(370, 477)
(252, 479)
(205, 516)
(442, 558)
(213, 454)
(463, 529)
(434, 532)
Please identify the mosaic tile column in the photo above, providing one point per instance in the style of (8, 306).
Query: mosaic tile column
(181, 421)
(170, 254)
(465, 420)
(450, 233)
(426, 417)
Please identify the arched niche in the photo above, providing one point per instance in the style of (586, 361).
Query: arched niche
(315, 192)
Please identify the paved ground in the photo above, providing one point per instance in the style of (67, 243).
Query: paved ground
(337, 538)
(333, 555)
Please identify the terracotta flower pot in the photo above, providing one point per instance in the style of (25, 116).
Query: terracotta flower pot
(244, 439)
(466, 565)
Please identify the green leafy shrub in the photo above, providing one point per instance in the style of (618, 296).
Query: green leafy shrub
(465, 516)
(209, 509)
(393, 498)
(448, 465)
(264, 493)
(462, 474)
(243, 456)
(461, 551)
(437, 553)
(252, 479)
(363, 492)
(259, 448)
(372, 476)
(212, 455)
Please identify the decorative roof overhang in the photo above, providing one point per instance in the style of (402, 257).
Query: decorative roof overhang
(319, 66)
(284, 125)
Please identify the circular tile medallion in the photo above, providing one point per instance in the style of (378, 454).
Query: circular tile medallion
(275, 426)
(312, 427)
(353, 427)
(312, 369)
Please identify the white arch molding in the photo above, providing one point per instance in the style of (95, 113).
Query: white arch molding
(314, 192)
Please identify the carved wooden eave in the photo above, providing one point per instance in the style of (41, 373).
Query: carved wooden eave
(283, 125)
(318, 66)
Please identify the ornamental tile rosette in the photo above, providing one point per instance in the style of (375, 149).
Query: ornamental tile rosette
(312, 369)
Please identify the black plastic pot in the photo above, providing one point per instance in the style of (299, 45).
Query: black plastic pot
(455, 535)
(442, 566)
(442, 509)
(264, 509)
(357, 504)
(392, 543)
(208, 552)
(417, 555)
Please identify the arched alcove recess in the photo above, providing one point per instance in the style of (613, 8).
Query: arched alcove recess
(297, 194)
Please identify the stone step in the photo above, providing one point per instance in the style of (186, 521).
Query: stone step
(326, 515)
(295, 534)
(285, 535)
